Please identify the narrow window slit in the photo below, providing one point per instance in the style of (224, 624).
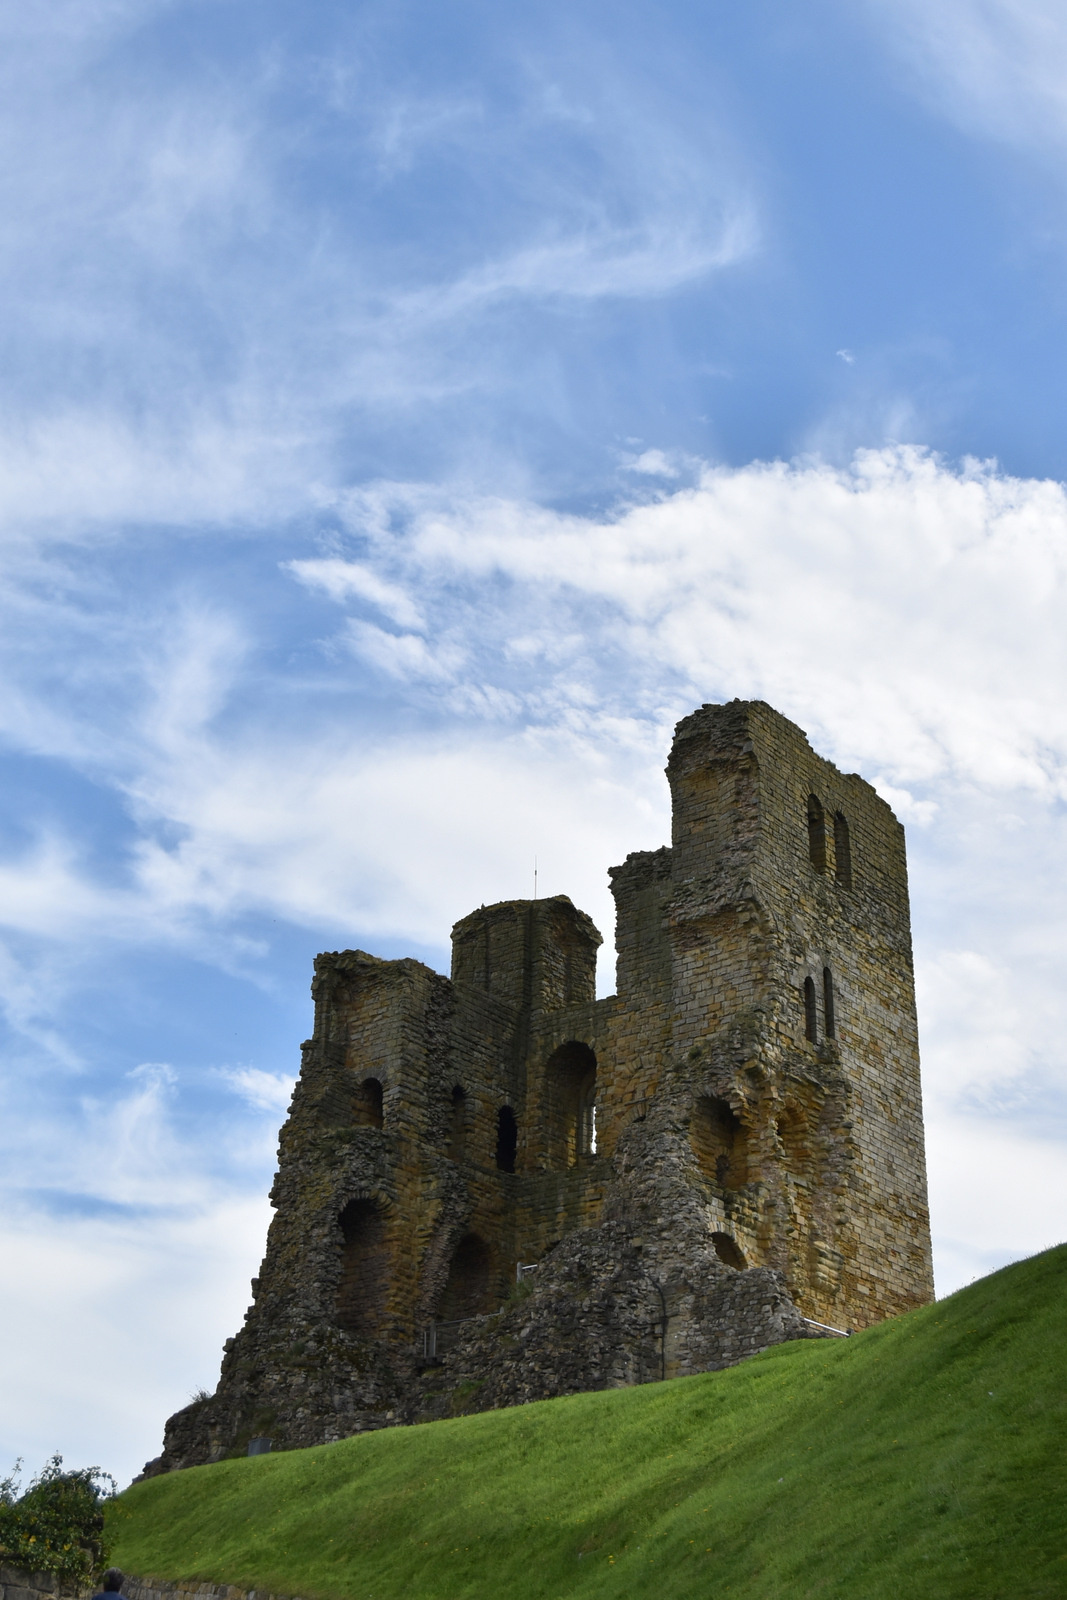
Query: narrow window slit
(507, 1139)
(842, 851)
(816, 834)
(811, 1015)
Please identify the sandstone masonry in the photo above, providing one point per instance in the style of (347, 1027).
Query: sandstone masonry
(495, 1188)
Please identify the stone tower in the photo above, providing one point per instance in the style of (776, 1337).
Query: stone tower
(495, 1187)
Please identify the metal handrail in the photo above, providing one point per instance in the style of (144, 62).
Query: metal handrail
(842, 1333)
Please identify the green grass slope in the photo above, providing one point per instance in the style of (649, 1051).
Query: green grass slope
(924, 1458)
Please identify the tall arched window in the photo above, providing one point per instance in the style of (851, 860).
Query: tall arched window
(469, 1281)
(368, 1108)
(457, 1123)
(842, 851)
(828, 1002)
(507, 1139)
(816, 834)
(811, 1015)
(570, 1085)
(364, 1267)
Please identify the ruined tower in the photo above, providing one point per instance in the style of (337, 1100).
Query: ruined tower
(495, 1187)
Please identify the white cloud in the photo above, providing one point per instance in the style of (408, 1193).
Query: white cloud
(79, 472)
(902, 610)
(997, 67)
(264, 1091)
(134, 1242)
(905, 613)
(128, 1318)
(654, 463)
(659, 254)
(403, 655)
(343, 580)
(997, 1194)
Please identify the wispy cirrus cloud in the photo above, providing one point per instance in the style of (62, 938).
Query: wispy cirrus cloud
(997, 67)
(189, 329)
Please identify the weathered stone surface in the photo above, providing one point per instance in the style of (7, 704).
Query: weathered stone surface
(757, 1158)
(17, 1584)
(162, 1589)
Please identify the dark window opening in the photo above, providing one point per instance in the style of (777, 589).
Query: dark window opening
(811, 1015)
(507, 1139)
(364, 1268)
(726, 1248)
(828, 1002)
(368, 1107)
(469, 1281)
(842, 852)
(457, 1125)
(570, 1085)
(719, 1142)
(816, 834)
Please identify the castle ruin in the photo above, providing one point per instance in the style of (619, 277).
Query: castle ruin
(495, 1187)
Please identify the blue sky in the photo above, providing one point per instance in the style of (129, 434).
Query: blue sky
(406, 413)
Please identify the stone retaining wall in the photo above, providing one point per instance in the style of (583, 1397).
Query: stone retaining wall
(15, 1584)
(189, 1589)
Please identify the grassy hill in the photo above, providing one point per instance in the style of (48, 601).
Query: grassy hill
(925, 1458)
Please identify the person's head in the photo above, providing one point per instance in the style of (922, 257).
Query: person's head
(112, 1580)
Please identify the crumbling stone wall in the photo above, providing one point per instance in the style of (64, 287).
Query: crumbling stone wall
(726, 1150)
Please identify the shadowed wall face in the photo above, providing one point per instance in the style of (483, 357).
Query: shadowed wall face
(364, 1268)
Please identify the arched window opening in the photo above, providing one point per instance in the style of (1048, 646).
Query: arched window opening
(811, 1014)
(828, 1003)
(570, 1085)
(728, 1252)
(719, 1142)
(507, 1139)
(816, 834)
(457, 1123)
(469, 1281)
(368, 1107)
(842, 851)
(364, 1268)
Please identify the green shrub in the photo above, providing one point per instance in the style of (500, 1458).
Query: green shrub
(57, 1525)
